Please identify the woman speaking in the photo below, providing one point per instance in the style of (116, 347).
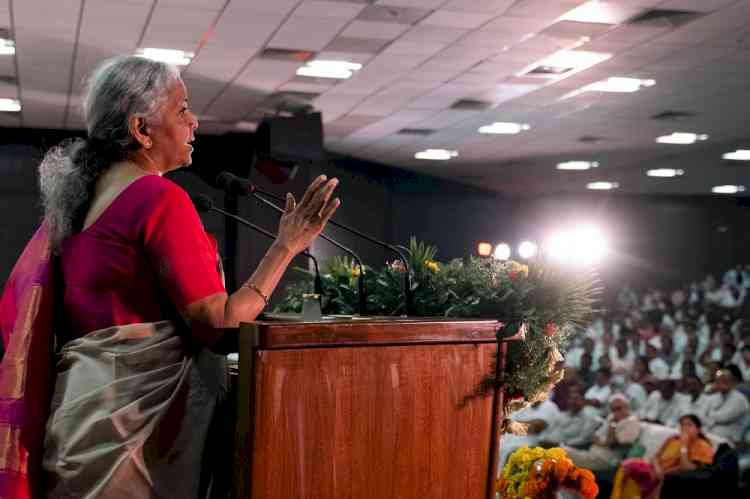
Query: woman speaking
(124, 258)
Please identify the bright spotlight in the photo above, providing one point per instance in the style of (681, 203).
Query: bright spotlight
(559, 247)
(527, 250)
(590, 245)
(502, 252)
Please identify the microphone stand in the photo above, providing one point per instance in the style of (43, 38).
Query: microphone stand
(257, 193)
(204, 203)
(360, 281)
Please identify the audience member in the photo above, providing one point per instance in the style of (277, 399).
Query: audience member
(612, 440)
(728, 416)
(642, 478)
(656, 365)
(539, 417)
(598, 395)
(699, 400)
(576, 426)
(664, 405)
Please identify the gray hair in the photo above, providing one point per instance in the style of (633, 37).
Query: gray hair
(118, 89)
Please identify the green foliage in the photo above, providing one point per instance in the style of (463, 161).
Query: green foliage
(545, 298)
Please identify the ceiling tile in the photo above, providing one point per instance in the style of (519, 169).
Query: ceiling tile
(495, 7)
(374, 30)
(456, 19)
(392, 14)
(696, 5)
(318, 33)
(420, 4)
(338, 10)
(358, 45)
(545, 9)
(240, 28)
(408, 47)
(422, 33)
(517, 25)
(177, 27)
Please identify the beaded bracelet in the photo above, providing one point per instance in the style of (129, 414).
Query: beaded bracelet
(255, 288)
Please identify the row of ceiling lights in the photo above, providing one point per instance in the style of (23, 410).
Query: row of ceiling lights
(577, 60)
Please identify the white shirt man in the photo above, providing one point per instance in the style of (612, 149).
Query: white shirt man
(667, 412)
(576, 429)
(612, 440)
(728, 417)
(636, 395)
(541, 417)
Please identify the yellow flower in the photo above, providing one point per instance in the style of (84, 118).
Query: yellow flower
(432, 265)
(355, 271)
(519, 268)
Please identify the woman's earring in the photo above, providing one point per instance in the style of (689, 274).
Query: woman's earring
(147, 143)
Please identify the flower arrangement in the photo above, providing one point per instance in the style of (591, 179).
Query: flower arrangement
(553, 303)
(540, 473)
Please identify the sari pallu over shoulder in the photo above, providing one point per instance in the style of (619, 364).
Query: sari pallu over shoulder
(130, 414)
(27, 309)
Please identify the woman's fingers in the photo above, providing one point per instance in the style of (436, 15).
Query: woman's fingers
(312, 189)
(328, 211)
(290, 203)
(319, 199)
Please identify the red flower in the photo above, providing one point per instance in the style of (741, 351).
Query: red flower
(513, 275)
(550, 329)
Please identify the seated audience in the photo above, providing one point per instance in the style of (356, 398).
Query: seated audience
(612, 440)
(576, 426)
(728, 416)
(641, 478)
(664, 405)
(598, 395)
(657, 366)
(540, 418)
(699, 401)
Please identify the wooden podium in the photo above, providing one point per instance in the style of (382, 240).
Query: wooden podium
(366, 409)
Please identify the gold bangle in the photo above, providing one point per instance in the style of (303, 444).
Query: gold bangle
(255, 288)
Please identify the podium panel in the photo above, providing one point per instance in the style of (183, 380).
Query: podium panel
(374, 412)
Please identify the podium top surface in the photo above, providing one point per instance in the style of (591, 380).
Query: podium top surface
(288, 331)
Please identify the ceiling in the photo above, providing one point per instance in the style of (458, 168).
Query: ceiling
(419, 58)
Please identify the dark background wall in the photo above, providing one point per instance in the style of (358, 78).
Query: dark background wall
(655, 240)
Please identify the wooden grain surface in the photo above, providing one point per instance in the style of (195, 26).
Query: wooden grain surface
(371, 423)
(373, 331)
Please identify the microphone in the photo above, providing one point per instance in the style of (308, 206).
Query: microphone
(233, 184)
(360, 281)
(204, 203)
(240, 186)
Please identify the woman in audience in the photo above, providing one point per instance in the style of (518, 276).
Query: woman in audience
(642, 479)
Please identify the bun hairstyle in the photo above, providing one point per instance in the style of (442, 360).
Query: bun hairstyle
(118, 89)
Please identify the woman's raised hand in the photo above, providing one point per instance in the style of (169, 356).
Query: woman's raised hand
(301, 223)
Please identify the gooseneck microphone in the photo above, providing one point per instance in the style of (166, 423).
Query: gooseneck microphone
(204, 203)
(240, 186)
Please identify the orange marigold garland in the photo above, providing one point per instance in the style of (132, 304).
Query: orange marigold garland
(539, 473)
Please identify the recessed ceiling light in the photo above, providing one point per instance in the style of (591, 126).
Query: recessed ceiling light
(577, 165)
(619, 84)
(329, 69)
(504, 128)
(597, 12)
(602, 186)
(10, 105)
(436, 154)
(738, 155)
(7, 47)
(681, 138)
(728, 189)
(664, 172)
(168, 56)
